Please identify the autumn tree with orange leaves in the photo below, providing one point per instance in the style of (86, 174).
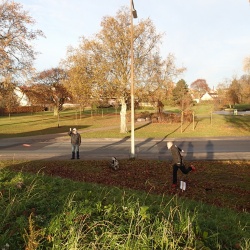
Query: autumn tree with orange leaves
(101, 66)
(16, 50)
(51, 82)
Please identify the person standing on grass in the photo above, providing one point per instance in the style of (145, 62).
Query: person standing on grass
(75, 142)
(178, 162)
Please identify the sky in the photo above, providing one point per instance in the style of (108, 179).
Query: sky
(210, 38)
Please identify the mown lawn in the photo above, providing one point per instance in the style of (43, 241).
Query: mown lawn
(107, 125)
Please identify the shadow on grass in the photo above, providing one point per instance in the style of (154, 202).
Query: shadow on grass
(241, 122)
(51, 132)
(142, 126)
(37, 118)
(188, 125)
(29, 121)
(201, 118)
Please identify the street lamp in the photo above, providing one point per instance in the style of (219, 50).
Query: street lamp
(133, 14)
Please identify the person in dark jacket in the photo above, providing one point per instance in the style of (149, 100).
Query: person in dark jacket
(178, 162)
(75, 142)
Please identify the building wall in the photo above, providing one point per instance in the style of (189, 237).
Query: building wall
(22, 98)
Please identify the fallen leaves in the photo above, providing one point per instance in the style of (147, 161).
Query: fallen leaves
(225, 184)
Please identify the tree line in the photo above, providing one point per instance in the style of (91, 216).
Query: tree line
(99, 68)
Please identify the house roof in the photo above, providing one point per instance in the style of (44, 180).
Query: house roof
(209, 96)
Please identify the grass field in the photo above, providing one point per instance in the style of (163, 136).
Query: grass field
(105, 124)
(86, 205)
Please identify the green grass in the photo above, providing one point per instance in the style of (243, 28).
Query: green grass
(242, 107)
(63, 205)
(105, 124)
(203, 109)
(39, 210)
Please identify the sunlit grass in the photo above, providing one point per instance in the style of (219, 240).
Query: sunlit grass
(104, 124)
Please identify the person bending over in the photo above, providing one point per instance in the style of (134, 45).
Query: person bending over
(177, 162)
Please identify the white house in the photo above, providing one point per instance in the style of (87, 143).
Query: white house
(208, 96)
(22, 98)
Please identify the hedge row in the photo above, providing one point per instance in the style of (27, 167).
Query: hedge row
(22, 109)
(165, 117)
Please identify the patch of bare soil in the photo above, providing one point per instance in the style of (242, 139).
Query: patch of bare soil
(224, 184)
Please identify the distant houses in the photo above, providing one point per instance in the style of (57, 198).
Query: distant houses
(23, 99)
(208, 96)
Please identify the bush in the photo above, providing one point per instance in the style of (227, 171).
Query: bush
(23, 109)
(171, 117)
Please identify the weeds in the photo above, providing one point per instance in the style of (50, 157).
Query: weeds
(54, 213)
(33, 236)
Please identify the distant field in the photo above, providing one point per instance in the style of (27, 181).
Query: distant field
(105, 123)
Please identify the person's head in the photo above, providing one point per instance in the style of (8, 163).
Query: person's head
(169, 144)
(74, 130)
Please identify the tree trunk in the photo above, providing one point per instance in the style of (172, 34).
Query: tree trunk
(123, 112)
(81, 111)
(56, 111)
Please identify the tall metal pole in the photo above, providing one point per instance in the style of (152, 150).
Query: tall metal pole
(133, 14)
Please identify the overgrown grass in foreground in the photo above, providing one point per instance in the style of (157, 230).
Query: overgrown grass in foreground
(41, 212)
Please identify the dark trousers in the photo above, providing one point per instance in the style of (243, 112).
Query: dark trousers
(183, 169)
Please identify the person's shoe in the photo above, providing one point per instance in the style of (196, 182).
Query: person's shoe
(174, 185)
(193, 168)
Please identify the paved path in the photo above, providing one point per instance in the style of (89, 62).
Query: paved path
(57, 146)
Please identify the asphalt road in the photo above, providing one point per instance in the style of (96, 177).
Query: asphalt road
(58, 147)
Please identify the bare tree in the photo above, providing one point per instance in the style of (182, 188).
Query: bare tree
(246, 65)
(200, 86)
(16, 50)
(162, 74)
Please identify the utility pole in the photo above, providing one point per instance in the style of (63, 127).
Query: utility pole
(133, 14)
